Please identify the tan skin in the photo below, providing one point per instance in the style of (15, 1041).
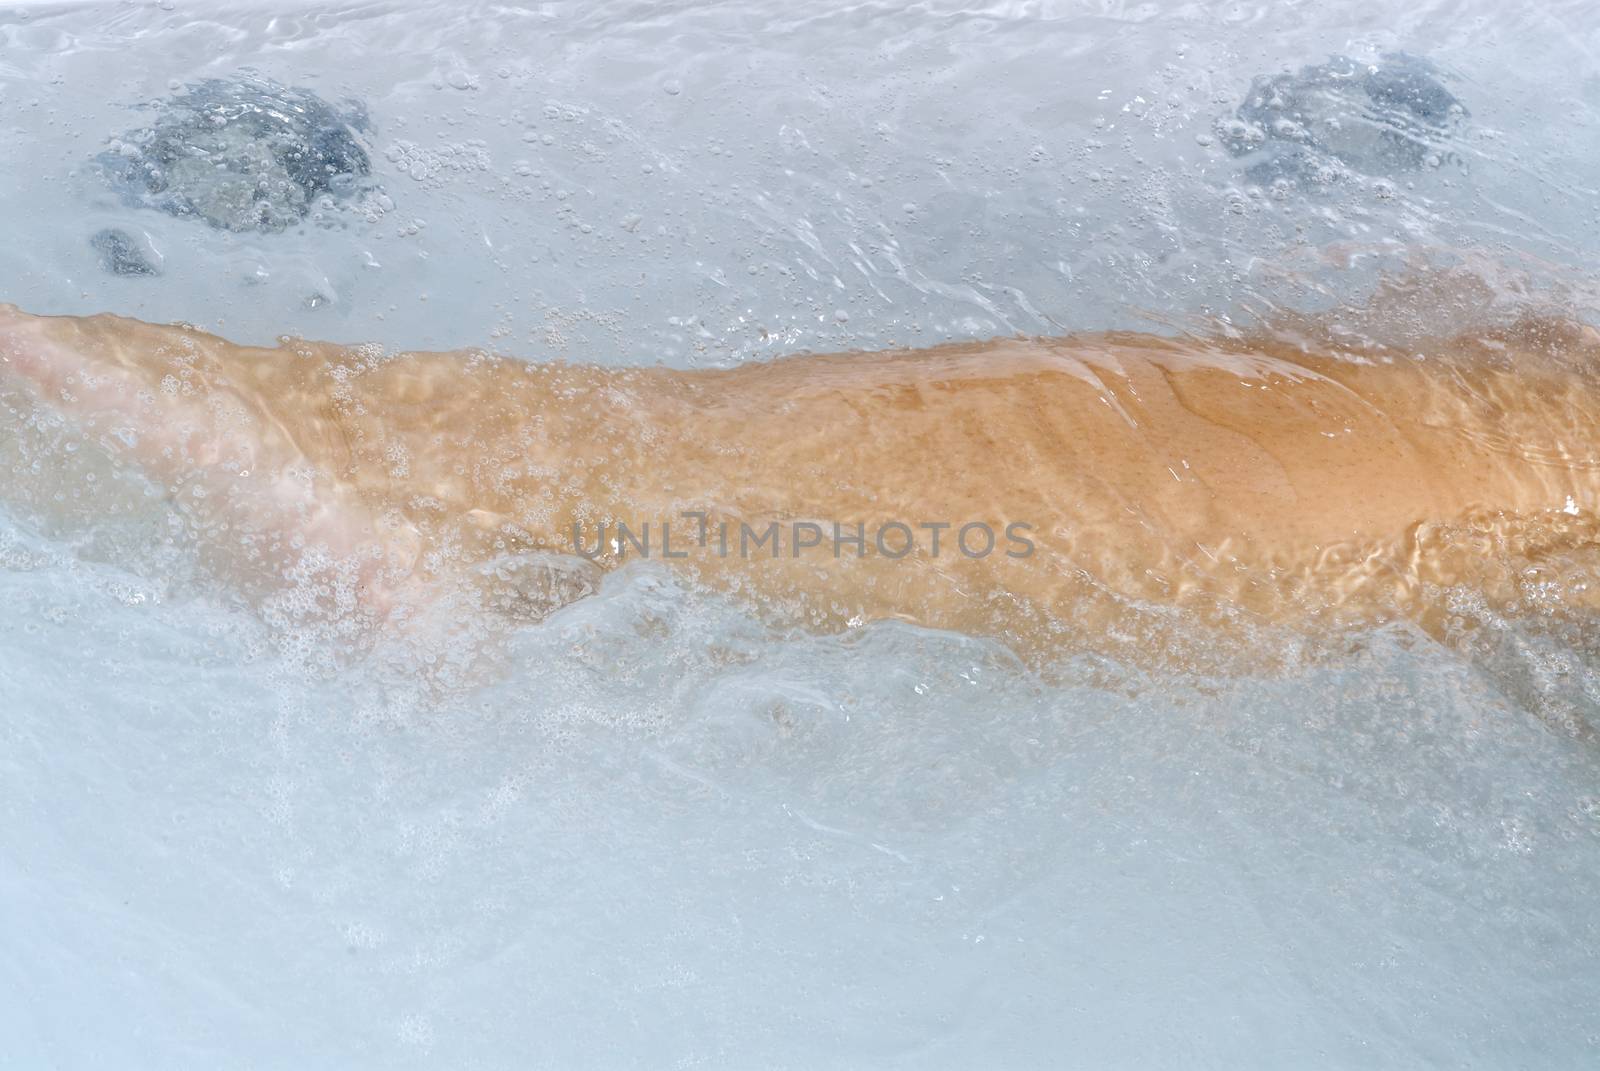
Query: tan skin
(1240, 483)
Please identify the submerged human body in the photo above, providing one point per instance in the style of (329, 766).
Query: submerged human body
(1238, 482)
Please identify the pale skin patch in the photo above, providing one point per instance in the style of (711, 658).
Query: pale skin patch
(1225, 479)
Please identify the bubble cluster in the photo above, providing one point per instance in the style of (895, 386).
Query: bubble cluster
(1370, 118)
(433, 167)
(123, 254)
(240, 155)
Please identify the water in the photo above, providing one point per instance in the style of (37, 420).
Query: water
(657, 834)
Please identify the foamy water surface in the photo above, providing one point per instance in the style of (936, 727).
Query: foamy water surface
(661, 835)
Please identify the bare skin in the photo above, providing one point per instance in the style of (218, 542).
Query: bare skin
(1236, 483)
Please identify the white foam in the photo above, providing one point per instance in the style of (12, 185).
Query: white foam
(660, 835)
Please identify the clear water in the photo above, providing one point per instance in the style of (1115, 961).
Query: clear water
(661, 836)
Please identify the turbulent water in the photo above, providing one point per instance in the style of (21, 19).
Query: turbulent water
(656, 833)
